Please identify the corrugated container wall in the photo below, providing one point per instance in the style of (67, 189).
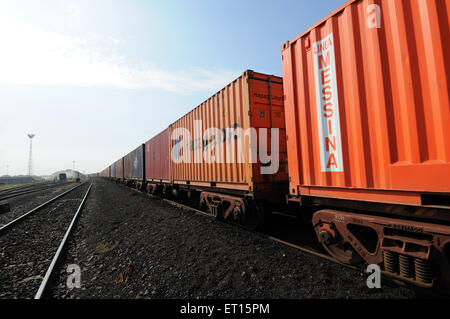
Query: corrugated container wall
(119, 168)
(137, 160)
(157, 157)
(127, 166)
(244, 103)
(367, 101)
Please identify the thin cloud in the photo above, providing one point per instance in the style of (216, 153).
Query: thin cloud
(33, 56)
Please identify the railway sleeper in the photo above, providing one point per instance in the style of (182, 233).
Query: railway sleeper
(412, 251)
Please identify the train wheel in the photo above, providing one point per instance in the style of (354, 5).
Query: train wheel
(253, 218)
(336, 246)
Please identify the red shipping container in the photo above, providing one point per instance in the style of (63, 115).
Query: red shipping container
(157, 158)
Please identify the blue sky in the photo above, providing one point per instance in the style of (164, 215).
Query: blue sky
(94, 79)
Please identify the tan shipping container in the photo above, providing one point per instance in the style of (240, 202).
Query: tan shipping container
(127, 166)
(253, 100)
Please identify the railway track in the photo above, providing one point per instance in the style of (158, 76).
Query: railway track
(28, 244)
(21, 187)
(14, 221)
(7, 194)
(24, 188)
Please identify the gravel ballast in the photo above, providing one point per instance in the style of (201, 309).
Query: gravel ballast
(27, 248)
(131, 246)
(21, 204)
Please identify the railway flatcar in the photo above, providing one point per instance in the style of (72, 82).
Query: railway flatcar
(367, 113)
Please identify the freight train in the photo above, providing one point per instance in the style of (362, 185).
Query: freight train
(355, 135)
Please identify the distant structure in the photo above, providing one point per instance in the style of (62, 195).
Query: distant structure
(70, 174)
(30, 162)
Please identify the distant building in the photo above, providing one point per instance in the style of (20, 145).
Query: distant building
(70, 175)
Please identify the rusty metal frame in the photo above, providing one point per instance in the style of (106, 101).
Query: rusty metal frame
(411, 239)
(216, 201)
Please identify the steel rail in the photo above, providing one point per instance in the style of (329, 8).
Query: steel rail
(24, 187)
(9, 191)
(37, 208)
(60, 248)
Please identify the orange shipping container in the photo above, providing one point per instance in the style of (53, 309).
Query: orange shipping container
(254, 100)
(367, 103)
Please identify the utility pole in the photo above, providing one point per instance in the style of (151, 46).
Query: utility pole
(30, 161)
(73, 165)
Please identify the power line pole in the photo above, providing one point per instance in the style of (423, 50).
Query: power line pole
(30, 162)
